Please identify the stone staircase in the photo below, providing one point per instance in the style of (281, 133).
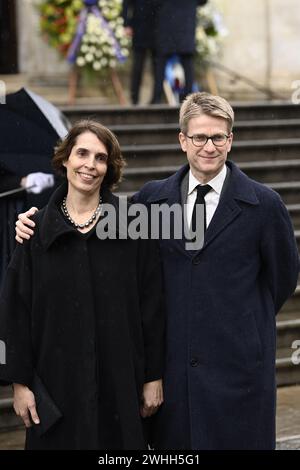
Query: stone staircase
(266, 147)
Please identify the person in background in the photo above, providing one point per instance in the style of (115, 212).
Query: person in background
(13, 201)
(175, 34)
(33, 183)
(140, 24)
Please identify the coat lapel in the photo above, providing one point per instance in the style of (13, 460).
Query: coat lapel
(238, 188)
(171, 193)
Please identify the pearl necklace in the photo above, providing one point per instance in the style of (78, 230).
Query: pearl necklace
(88, 222)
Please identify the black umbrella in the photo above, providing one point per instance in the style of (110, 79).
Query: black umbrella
(29, 129)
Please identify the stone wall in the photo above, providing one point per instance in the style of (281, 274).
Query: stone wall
(36, 58)
(262, 44)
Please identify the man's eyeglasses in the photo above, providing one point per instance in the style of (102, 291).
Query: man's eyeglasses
(199, 140)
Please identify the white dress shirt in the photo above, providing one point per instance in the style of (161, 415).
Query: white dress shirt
(211, 199)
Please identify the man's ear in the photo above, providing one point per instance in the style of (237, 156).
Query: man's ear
(229, 141)
(182, 140)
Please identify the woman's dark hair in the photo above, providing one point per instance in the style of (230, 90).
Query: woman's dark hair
(115, 162)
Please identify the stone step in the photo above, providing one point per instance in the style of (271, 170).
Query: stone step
(288, 330)
(247, 151)
(8, 418)
(294, 210)
(114, 115)
(291, 306)
(5, 392)
(289, 191)
(264, 172)
(144, 134)
(287, 373)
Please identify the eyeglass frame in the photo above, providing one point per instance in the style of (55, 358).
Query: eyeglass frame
(209, 138)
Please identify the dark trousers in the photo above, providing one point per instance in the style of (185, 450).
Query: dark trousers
(187, 62)
(139, 57)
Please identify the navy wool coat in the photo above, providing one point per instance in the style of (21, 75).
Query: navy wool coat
(176, 26)
(141, 15)
(93, 351)
(219, 381)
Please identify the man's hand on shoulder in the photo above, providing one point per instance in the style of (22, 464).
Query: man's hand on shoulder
(23, 224)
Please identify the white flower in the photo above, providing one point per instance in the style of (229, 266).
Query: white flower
(89, 57)
(80, 61)
(209, 32)
(124, 42)
(96, 65)
(101, 46)
(111, 40)
(114, 12)
(84, 48)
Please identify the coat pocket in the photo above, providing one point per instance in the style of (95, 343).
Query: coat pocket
(251, 343)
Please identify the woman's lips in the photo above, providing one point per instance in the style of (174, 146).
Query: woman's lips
(86, 177)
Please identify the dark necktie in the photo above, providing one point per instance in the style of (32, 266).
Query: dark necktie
(201, 193)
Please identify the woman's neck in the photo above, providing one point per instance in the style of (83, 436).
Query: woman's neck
(79, 203)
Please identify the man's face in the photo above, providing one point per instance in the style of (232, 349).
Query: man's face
(206, 161)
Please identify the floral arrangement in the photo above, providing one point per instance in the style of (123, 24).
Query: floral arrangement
(210, 32)
(88, 33)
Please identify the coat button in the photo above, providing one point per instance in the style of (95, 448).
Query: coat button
(194, 362)
(196, 260)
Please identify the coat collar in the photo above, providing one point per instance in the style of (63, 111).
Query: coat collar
(170, 191)
(239, 189)
(53, 224)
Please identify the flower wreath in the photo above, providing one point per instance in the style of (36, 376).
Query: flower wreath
(88, 33)
(210, 32)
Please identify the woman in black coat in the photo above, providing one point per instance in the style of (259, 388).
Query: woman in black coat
(175, 34)
(81, 316)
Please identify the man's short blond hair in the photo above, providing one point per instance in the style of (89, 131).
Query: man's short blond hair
(198, 104)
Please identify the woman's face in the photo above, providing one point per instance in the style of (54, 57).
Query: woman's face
(87, 163)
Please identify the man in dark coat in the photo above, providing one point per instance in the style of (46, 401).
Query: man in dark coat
(176, 26)
(140, 23)
(219, 382)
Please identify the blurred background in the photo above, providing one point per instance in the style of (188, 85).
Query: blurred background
(259, 40)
